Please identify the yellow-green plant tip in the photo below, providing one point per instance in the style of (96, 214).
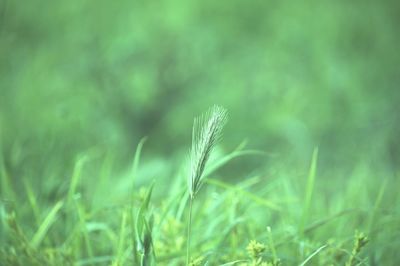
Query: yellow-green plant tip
(255, 249)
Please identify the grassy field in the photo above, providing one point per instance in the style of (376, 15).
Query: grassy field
(102, 164)
(275, 217)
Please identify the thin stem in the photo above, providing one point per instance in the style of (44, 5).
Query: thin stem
(189, 231)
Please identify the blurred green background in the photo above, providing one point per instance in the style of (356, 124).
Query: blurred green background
(82, 76)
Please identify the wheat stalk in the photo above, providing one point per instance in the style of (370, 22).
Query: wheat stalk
(207, 130)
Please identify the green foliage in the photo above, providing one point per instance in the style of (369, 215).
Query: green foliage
(82, 83)
(222, 224)
(360, 240)
(144, 229)
(255, 251)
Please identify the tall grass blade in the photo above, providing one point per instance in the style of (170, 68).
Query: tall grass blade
(144, 230)
(132, 221)
(121, 243)
(376, 206)
(309, 190)
(5, 181)
(83, 228)
(46, 224)
(32, 201)
(76, 175)
(136, 159)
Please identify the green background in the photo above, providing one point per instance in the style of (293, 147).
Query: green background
(91, 78)
(293, 76)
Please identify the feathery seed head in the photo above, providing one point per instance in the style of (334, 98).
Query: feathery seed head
(207, 130)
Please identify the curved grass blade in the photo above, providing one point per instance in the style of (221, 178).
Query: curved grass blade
(46, 224)
(312, 255)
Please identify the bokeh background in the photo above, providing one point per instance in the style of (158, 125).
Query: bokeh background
(94, 77)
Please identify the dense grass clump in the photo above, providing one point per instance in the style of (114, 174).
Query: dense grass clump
(266, 218)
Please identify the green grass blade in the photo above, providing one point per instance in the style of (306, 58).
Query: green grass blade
(82, 224)
(142, 212)
(5, 183)
(136, 160)
(140, 229)
(76, 175)
(376, 207)
(132, 221)
(46, 224)
(32, 201)
(309, 190)
(233, 263)
(119, 260)
(312, 255)
(184, 196)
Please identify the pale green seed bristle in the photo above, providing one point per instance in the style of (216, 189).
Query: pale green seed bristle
(207, 130)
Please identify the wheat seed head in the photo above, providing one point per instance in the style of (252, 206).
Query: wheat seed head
(207, 130)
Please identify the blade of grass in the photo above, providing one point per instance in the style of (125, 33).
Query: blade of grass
(136, 160)
(312, 255)
(103, 180)
(76, 175)
(143, 229)
(46, 224)
(149, 244)
(182, 204)
(5, 183)
(142, 212)
(121, 243)
(233, 263)
(309, 190)
(83, 229)
(131, 218)
(188, 257)
(32, 201)
(376, 207)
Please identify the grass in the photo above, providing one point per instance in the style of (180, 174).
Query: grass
(207, 130)
(284, 217)
(82, 82)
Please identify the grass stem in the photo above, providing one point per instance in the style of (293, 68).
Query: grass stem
(189, 231)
